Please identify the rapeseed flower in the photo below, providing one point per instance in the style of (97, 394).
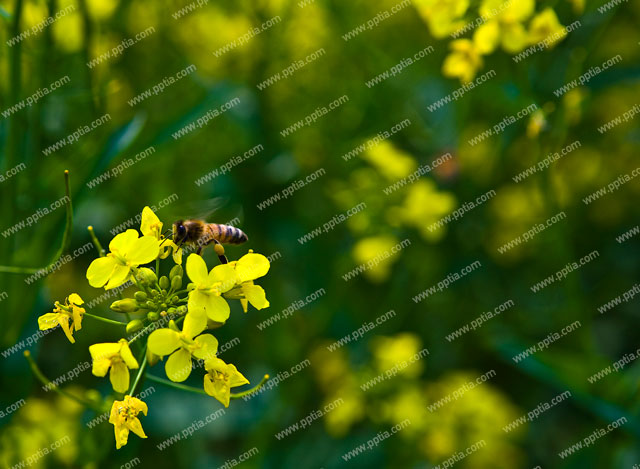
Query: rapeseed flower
(69, 316)
(116, 356)
(220, 378)
(124, 417)
(206, 296)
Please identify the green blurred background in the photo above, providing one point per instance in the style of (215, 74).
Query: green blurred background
(93, 27)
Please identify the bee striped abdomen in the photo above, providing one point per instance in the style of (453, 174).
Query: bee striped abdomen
(228, 234)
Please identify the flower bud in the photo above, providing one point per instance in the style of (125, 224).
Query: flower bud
(134, 325)
(155, 293)
(176, 282)
(147, 276)
(153, 316)
(176, 271)
(140, 296)
(127, 305)
(191, 286)
(181, 309)
(164, 282)
(150, 304)
(172, 310)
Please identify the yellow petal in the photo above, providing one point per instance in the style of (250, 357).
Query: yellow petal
(251, 266)
(136, 404)
(151, 224)
(207, 347)
(486, 37)
(236, 378)
(177, 253)
(119, 377)
(64, 323)
(100, 270)
(143, 250)
(122, 436)
(218, 389)
(197, 269)
(77, 317)
(48, 321)
(216, 307)
(127, 356)
(75, 299)
(105, 350)
(163, 341)
(119, 276)
(178, 367)
(226, 274)
(256, 296)
(136, 427)
(514, 38)
(123, 241)
(194, 324)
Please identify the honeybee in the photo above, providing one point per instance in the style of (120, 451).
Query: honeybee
(200, 233)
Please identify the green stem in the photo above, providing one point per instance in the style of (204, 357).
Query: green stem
(100, 318)
(140, 371)
(96, 243)
(238, 395)
(66, 239)
(171, 384)
(184, 387)
(49, 385)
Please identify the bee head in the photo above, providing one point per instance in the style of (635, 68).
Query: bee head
(179, 232)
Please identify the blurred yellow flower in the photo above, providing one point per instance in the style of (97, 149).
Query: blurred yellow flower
(389, 160)
(69, 316)
(206, 297)
(423, 206)
(124, 417)
(220, 378)
(182, 345)
(442, 16)
(375, 252)
(464, 60)
(101, 9)
(116, 356)
(127, 252)
(546, 27)
(389, 352)
(487, 37)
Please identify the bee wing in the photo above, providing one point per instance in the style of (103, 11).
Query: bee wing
(215, 210)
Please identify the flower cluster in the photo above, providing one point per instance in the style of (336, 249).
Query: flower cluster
(161, 304)
(500, 23)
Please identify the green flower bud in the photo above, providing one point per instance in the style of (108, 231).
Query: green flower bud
(164, 282)
(181, 309)
(172, 310)
(176, 282)
(127, 305)
(176, 271)
(163, 305)
(141, 296)
(174, 299)
(134, 326)
(147, 276)
(155, 293)
(191, 286)
(153, 316)
(150, 304)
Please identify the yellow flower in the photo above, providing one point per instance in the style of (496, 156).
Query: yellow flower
(152, 226)
(250, 267)
(220, 378)
(546, 27)
(509, 14)
(127, 252)
(116, 356)
(209, 287)
(69, 316)
(463, 62)
(181, 345)
(442, 16)
(486, 37)
(124, 417)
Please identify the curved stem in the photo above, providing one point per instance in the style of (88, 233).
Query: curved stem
(53, 387)
(238, 395)
(100, 318)
(171, 384)
(95, 241)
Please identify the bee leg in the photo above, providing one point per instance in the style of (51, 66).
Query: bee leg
(219, 249)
